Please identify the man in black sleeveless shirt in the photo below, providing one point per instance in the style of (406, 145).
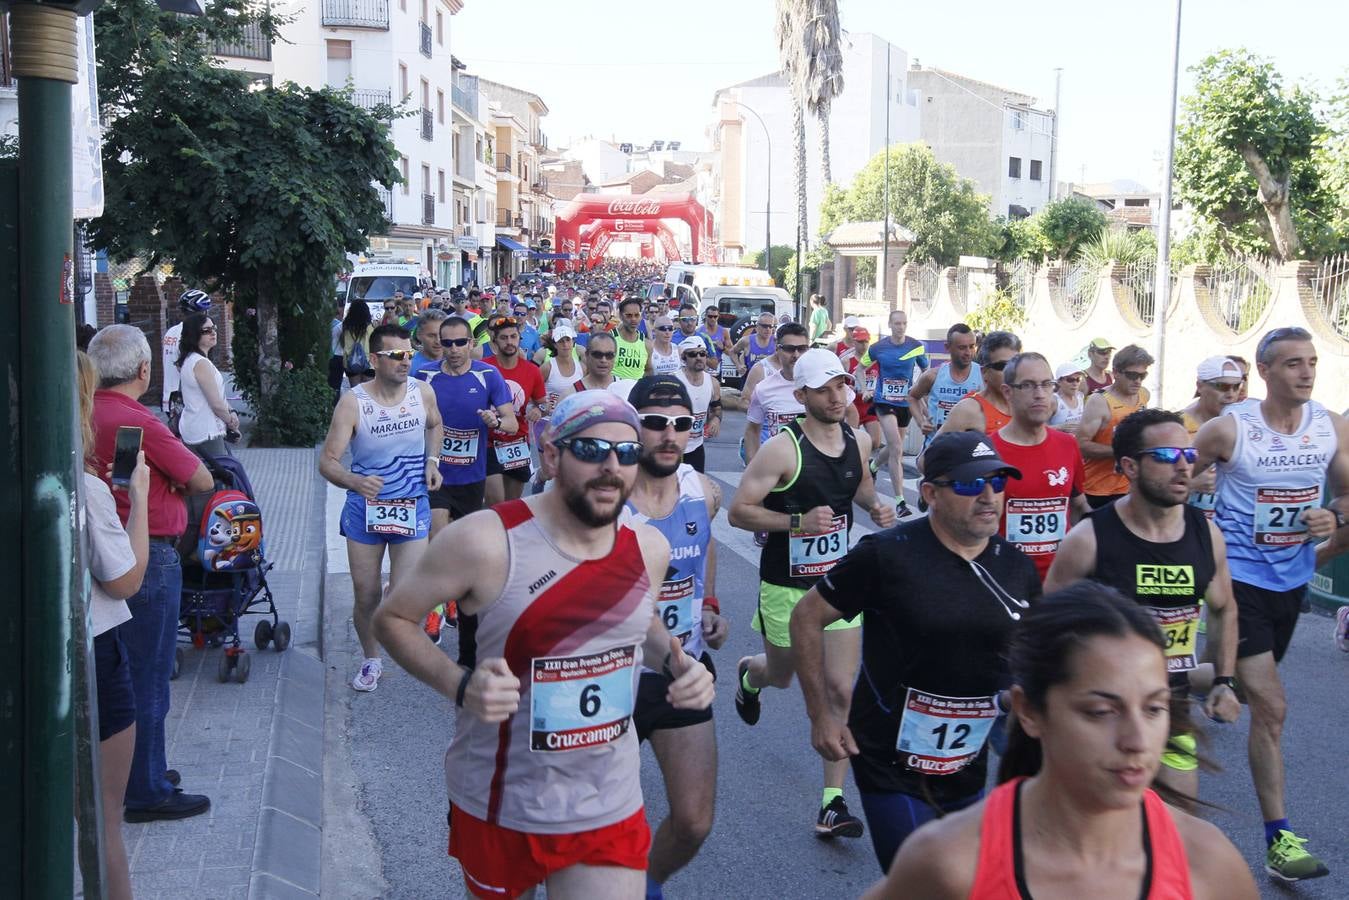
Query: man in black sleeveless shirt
(1152, 546)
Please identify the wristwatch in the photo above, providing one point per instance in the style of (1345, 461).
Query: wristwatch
(1227, 680)
(796, 519)
(1340, 520)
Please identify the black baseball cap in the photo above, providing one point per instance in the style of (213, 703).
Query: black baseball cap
(660, 390)
(963, 456)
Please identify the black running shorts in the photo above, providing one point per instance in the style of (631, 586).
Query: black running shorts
(1265, 619)
(653, 712)
(459, 499)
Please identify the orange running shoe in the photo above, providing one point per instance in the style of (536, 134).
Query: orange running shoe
(432, 626)
(452, 614)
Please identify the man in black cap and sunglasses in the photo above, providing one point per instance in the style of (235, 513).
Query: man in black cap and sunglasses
(941, 596)
(680, 503)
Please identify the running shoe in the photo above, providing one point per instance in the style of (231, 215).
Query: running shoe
(432, 626)
(902, 509)
(874, 466)
(1287, 861)
(368, 678)
(761, 539)
(746, 702)
(1342, 628)
(836, 821)
(452, 614)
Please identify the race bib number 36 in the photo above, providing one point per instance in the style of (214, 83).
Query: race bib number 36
(1278, 514)
(1180, 628)
(513, 455)
(811, 555)
(1037, 526)
(391, 517)
(580, 701)
(941, 735)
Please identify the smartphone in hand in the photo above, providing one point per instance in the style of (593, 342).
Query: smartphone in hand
(124, 457)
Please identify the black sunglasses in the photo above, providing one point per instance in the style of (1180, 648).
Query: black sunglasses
(660, 422)
(600, 354)
(793, 348)
(997, 366)
(596, 450)
(1169, 455)
(454, 342)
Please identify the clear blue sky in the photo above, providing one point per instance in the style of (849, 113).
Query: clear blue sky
(637, 70)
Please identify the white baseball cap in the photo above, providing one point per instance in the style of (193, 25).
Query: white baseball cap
(1066, 369)
(816, 368)
(563, 330)
(417, 295)
(850, 321)
(691, 343)
(1216, 367)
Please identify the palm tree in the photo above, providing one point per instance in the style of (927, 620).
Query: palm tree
(824, 80)
(790, 28)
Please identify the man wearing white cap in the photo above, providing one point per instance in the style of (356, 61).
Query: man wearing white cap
(1217, 385)
(1067, 378)
(800, 489)
(705, 394)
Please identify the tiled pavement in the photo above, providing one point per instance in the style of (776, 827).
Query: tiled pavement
(254, 748)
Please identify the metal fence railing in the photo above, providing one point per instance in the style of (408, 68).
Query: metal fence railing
(1018, 279)
(428, 125)
(1074, 289)
(356, 13)
(1330, 287)
(425, 39)
(251, 44)
(370, 98)
(1239, 290)
(923, 279)
(1139, 281)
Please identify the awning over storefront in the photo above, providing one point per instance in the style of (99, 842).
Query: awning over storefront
(511, 245)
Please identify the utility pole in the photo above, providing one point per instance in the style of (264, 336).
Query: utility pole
(885, 234)
(768, 202)
(1162, 291)
(1054, 137)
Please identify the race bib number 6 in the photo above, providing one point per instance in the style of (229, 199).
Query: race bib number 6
(941, 735)
(1278, 514)
(675, 607)
(811, 555)
(580, 701)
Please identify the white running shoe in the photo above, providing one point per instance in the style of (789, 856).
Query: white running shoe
(368, 678)
(1342, 628)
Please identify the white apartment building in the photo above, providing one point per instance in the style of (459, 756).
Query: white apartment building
(388, 51)
(857, 130)
(992, 135)
(524, 207)
(475, 181)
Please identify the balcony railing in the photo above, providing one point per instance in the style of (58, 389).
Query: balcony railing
(356, 13)
(428, 209)
(426, 40)
(251, 44)
(465, 99)
(503, 162)
(369, 98)
(6, 63)
(386, 196)
(540, 186)
(428, 125)
(505, 219)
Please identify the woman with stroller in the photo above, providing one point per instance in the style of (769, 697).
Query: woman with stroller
(117, 559)
(207, 418)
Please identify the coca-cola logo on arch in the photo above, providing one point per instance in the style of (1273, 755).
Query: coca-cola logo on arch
(634, 208)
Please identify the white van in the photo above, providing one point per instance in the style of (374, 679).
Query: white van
(687, 281)
(374, 282)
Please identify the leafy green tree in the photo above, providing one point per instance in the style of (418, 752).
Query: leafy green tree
(945, 212)
(811, 262)
(1022, 239)
(1069, 223)
(255, 190)
(1246, 159)
(780, 256)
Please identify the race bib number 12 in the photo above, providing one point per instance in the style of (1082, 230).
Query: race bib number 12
(941, 735)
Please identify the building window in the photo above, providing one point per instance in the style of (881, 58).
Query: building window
(403, 170)
(1018, 120)
(1141, 201)
(440, 106)
(440, 185)
(1013, 167)
(402, 82)
(440, 29)
(425, 14)
(339, 63)
(403, 5)
(426, 94)
(426, 179)
(1035, 165)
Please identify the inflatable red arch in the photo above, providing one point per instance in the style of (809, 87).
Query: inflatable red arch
(590, 208)
(599, 234)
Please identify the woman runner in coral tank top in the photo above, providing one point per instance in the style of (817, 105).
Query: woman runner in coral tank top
(1074, 815)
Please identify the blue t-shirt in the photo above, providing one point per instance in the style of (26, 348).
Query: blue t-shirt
(420, 362)
(463, 448)
(529, 340)
(897, 362)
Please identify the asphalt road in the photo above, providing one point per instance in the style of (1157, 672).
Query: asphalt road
(385, 829)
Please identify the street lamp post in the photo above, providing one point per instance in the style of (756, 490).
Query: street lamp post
(768, 202)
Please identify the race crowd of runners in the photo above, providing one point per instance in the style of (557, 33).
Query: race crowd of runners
(532, 459)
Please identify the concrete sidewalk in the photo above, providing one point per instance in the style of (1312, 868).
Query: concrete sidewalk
(256, 749)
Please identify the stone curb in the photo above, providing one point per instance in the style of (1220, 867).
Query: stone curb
(287, 850)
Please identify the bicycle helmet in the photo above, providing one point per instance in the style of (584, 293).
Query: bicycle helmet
(191, 301)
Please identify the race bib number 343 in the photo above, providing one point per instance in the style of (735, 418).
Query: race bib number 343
(580, 701)
(391, 517)
(941, 735)
(1278, 514)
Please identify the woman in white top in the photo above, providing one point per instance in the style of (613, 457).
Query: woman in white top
(206, 415)
(1069, 412)
(563, 368)
(116, 558)
(664, 357)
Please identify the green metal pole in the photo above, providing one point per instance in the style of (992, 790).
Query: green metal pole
(45, 64)
(11, 537)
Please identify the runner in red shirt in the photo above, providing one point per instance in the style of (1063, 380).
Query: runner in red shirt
(509, 462)
(865, 385)
(1048, 498)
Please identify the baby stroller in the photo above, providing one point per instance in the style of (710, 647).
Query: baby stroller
(225, 573)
